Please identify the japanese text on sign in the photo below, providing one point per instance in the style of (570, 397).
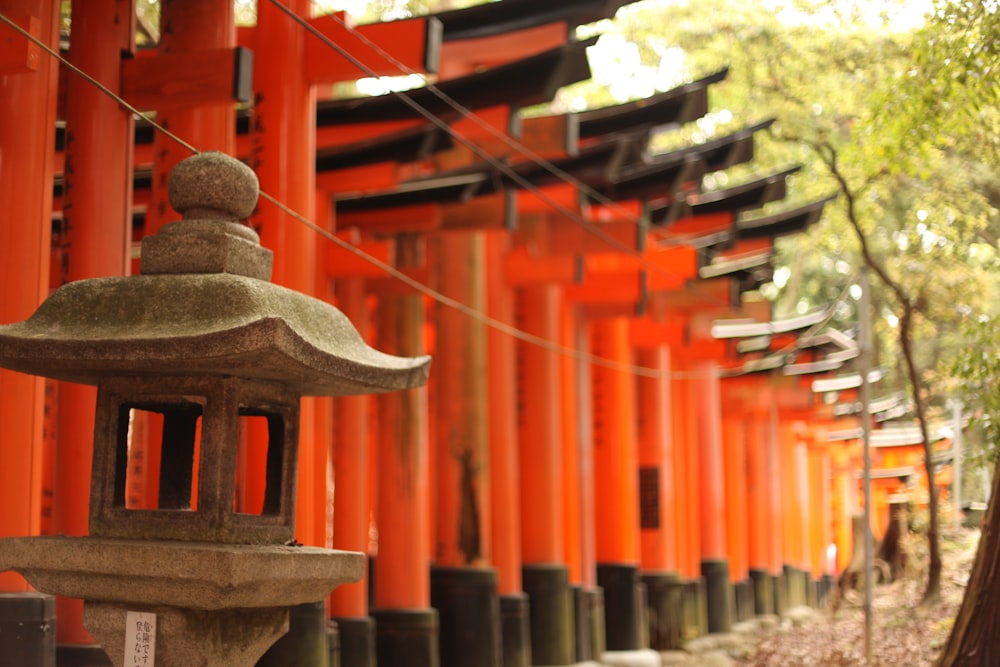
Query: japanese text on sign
(140, 639)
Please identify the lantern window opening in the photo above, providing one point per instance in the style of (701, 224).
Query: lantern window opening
(174, 438)
(254, 422)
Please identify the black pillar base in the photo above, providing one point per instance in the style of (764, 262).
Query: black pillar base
(469, 616)
(719, 594)
(79, 655)
(826, 586)
(333, 644)
(797, 581)
(305, 643)
(584, 647)
(665, 604)
(356, 641)
(779, 583)
(406, 637)
(515, 630)
(745, 606)
(27, 630)
(598, 624)
(763, 592)
(695, 608)
(623, 605)
(550, 600)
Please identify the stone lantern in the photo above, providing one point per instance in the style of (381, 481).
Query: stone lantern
(203, 342)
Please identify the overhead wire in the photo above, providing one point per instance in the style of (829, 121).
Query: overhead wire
(435, 295)
(497, 164)
(426, 290)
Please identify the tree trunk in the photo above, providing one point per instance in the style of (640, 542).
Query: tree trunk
(975, 637)
(890, 550)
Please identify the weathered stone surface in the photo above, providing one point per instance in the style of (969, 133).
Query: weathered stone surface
(234, 638)
(178, 574)
(220, 324)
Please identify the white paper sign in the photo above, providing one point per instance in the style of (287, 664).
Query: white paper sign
(140, 639)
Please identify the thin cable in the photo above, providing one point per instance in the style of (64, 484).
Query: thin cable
(392, 271)
(478, 151)
(94, 82)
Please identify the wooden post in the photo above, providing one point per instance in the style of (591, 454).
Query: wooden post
(505, 501)
(658, 536)
(94, 241)
(27, 119)
(186, 27)
(545, 574)
(283, 155)
(405, 625)
(463, 587)
(352, 493)
(616, 479)
(712, 497)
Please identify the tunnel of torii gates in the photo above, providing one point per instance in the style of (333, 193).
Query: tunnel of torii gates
(692, 464)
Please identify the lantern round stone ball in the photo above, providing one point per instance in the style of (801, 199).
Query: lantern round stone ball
(213, 185)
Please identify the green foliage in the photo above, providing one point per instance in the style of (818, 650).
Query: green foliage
(978, 368)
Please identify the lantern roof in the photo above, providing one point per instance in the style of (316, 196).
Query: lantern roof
(203, 305)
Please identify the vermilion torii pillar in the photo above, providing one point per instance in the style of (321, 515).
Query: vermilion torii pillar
(94, 241)
(616, 465)
(712, 495)
(28, 83)
(545, 576)
(405, 624)
(463, 586)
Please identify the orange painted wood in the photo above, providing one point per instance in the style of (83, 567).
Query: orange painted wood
(342, 263)
(775, 489)
(191, 78)
(711, 473)
(402, 579)
(501, 363)
(734, 454)
(615, 447)
(484, 134)
(760, 520)
(550, 137)
(686, 468)
(95, 241)
(380, 176)
(540, 429)
(27, 117)
(331, 136)
(613, 289)
(283, 150)
(821, 516)
(746, 248)
(698, 225)
(670, 268)
(19, 55)
(844, 504)
(522, 267)
(191, 29)
(616, 237)
(575, 520)
(351, 490)
(486, 212)
(462, 57)
(647, 332)
(544, 203)
(414, 218)
(462, 476)
(402, 47)
(628, 212)
(657, 509)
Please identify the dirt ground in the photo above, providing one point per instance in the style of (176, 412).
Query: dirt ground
(904, 633)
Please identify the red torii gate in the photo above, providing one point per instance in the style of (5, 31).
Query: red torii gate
(601, 301)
